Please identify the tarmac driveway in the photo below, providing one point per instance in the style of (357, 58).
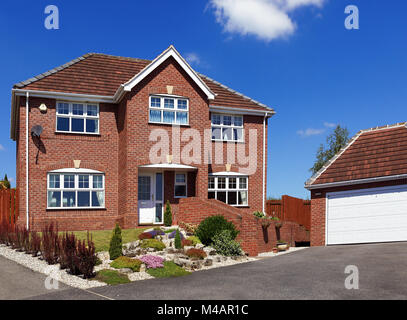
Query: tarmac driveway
(313, 273)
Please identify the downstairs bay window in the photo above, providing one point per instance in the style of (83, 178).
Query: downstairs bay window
(232, 190)
(69, 189)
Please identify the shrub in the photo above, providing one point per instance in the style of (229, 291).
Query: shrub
(86, 257)
(194, 240)
(50, 244)
(225, 245)
(115, 247)
(188, 227)
(145, 235)
(126, 262)
(209, 227)
(186, 243)
(167, 215)
(157, 245)
(152, 262)
(177, 240)
(196, 253)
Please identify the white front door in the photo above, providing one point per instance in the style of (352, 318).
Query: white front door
(367, 215)
(150, 198)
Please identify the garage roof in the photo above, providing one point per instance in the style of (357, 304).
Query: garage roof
(376, 154)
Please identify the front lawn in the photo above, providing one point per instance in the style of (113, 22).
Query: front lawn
(101, 238)
(170, 270)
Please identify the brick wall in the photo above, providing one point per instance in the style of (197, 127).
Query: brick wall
(318, 206)
(251, 236)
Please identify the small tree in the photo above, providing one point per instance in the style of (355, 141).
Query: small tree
(177, 240)
(168, 215)
(335, 142)
(115, 248)
(5, 184)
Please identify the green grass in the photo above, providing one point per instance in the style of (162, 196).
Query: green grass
(111, 277)
(170, 230)
(101, 238)
(170, 270)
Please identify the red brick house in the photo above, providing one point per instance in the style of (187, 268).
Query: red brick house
(360, 196)
(85, 150)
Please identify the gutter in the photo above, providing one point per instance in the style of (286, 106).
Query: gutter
(266, 116)
(27, 113)
(355, 182)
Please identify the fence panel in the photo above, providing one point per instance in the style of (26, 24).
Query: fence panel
(9, 206)
(290, 209)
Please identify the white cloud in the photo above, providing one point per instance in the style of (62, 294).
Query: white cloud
(265, 19)
(2, 147)
(315, 132)
(310, 132)
(329, 125)
(192, 58)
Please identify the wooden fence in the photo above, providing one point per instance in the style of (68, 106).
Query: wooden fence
(9, 206)
(290, 209)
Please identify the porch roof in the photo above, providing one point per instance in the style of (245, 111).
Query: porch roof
(169, 166)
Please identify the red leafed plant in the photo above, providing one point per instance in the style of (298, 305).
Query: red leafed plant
(186, 243)
(145, 235)
(50, 248)
(196, 253)
(35, 244)
(86, 255)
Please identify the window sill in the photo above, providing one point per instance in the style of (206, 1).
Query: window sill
(79, 133)
(169, 124)
(76, 208)
(226, 141)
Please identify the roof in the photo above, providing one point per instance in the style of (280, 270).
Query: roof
(371, 155)
(102, 75)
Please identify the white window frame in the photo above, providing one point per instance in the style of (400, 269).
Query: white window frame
(71, 116)
(227, 189)
(232, 126)
(162, 109)
(76, 189)
(181, 184)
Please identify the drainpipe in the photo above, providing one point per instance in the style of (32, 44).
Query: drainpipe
(264, 161)
(27, 112)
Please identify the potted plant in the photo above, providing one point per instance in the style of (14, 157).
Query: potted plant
(282, 245)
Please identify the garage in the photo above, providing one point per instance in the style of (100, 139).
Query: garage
(367, 215)
(360, 195)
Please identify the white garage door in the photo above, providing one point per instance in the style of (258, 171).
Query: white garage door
(367, 215)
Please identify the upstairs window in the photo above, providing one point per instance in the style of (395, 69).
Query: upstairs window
(77, 118)
(75, 190)
(231, 190)
(168, 110)
(227, 127)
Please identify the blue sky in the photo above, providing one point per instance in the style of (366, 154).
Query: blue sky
(293, 55)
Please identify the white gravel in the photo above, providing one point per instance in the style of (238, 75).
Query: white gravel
(271, 254)
(43, 267)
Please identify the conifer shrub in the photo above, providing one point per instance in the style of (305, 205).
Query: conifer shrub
(116, 243)
(167, 215)
(177, 240)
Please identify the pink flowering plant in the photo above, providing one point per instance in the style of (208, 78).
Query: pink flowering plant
(152, 262)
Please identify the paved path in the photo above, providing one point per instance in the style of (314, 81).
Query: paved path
(314, 273)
